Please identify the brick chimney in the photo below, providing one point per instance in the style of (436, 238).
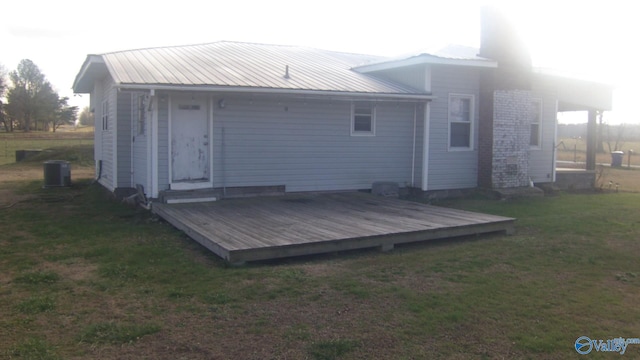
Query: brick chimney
(505, 103)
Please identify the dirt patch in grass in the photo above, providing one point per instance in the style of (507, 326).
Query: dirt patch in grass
(321, 268)
(8, 198)
(72, 269)
(261, 330)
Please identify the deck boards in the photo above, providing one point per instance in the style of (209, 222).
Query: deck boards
(251, 229)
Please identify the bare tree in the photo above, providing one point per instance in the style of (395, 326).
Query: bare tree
(617, 137)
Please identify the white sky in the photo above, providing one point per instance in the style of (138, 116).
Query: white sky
(588, 39)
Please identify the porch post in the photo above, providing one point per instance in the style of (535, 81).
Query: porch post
(591, 139)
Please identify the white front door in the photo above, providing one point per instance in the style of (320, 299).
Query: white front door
(190, 143)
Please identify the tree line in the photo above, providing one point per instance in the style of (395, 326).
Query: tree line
(28, 101)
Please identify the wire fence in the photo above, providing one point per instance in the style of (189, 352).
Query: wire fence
(9, 145)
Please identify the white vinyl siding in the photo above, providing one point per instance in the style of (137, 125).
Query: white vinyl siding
(305, 145)
(451, 169)
(141, 114)
(163, 142)
(106, 138)
(123, 136)
(140, 159)
(541, 159)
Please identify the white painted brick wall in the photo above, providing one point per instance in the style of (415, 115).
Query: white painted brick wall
(511, 136)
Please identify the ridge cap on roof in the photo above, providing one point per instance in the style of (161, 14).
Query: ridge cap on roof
(243, 43)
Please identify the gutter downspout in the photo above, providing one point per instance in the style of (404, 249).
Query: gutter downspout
(425, 145)
(413, 153)
(223, 165)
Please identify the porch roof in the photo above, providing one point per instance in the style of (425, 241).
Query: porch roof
(455, 55)
(577, 94)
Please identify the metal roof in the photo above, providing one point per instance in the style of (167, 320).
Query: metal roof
(457, 55)
(247, 66)
(459, 52)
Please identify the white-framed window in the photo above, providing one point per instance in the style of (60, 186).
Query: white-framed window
(535, 139)
(142, 114)
(363, 118)
(461, 110)
(105, 115)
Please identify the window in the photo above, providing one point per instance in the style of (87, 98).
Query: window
(536, 117)
(363, 118)
(105, 115)
(142, 114)
(460, 121)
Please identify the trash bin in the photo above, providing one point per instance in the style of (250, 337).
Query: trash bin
(616, 158)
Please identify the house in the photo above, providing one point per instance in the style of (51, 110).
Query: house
(231, 116)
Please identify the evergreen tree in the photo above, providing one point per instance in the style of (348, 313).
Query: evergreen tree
(33, 103)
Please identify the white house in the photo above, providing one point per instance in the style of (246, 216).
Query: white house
(230, 115)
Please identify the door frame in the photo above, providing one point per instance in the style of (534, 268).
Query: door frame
(207, 101)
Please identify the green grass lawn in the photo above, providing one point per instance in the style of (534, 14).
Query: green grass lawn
(10, 142)
(83, 276)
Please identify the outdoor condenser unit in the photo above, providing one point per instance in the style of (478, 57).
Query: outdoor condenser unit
(57, 173)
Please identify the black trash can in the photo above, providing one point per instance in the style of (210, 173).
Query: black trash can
(616, 158)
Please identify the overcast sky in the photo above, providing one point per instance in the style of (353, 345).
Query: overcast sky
(591, 40)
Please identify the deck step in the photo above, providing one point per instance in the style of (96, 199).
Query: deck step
(190, 200)
(214, 194)
(188, 196)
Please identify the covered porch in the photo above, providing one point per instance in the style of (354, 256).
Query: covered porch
(588, 98)
(261, 228)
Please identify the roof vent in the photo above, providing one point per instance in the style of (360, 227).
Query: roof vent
(286, 71)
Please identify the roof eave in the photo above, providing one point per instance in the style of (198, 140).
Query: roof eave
(427, 60)
(345, 95)
(93, 67)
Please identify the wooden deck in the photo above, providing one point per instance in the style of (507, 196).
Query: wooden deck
(249, 229)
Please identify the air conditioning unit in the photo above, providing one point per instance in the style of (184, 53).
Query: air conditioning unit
(57, 173)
